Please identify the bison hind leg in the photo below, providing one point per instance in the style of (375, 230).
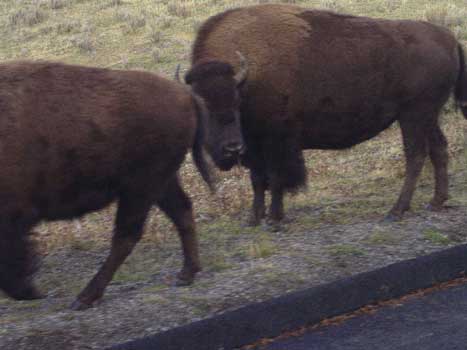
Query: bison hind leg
(259, 182)
(439, 157)
(421, 135)
(178, 207)
(132, 211)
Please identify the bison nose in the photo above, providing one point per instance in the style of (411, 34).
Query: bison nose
(234, 149)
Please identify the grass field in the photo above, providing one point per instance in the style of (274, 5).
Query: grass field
(156, 35)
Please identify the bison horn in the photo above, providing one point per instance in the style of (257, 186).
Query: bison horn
(243, 72)
(177, 74)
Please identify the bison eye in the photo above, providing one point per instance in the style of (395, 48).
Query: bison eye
(227, 121)
(226, 118)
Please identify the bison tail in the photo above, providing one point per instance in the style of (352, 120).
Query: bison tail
(461, 85)
(197, 150)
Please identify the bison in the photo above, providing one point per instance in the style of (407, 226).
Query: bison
(322, 80)
(73, 139)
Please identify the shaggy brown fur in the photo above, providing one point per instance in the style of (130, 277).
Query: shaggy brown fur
(74, 139)
(321, 80)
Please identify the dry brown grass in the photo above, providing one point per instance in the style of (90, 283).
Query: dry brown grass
(58, 4)
(156, 35)
(29, 16)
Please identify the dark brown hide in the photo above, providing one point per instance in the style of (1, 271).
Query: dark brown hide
(321, 80)
(74, 139)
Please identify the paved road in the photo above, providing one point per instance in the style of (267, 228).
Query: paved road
(437, 321)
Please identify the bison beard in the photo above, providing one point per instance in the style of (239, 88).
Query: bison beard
(322, 80)
(275, 164)
(94, 136)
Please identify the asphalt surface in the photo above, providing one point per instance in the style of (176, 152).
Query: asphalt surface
(270, 318)
(436, 321)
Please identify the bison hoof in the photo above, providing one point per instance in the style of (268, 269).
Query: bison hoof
(438, 207)
(78, 305)
(26, 293)
(434, 207)
(252, 222)
(183, 283)
(184, 278)
(274, 226)
(391, 217)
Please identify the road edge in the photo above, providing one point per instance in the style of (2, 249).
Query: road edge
(294, 310)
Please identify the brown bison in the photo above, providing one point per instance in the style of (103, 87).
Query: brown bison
(74, 139)
(321, 80)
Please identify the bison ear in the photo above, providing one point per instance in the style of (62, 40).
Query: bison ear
(191, 76)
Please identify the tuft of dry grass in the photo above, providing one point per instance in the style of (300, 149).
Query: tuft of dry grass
(332, 5)
(29, 16)
(110, 3)
(155, 35)
(68, 26)
(84, 42)
(392, 5)
(156, 55)
(161, 23)
(132, 21)
(179, 9)
(446, 14)
(58, 4)
(136, 22)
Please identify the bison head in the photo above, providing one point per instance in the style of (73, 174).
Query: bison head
(217, 83)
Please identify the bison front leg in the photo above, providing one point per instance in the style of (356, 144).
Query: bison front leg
(18, 262)
(18, 258)
(177, 206)
(259, 183)
(276, 211)
(286, 173)
(131, 215)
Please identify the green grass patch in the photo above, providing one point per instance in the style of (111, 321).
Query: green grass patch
(216, 261)
(199, 305)
(155, 299)
(382, 238)
(81, 244)
(345, 250)
(261, 247)
(155, 288)
(436, 237)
